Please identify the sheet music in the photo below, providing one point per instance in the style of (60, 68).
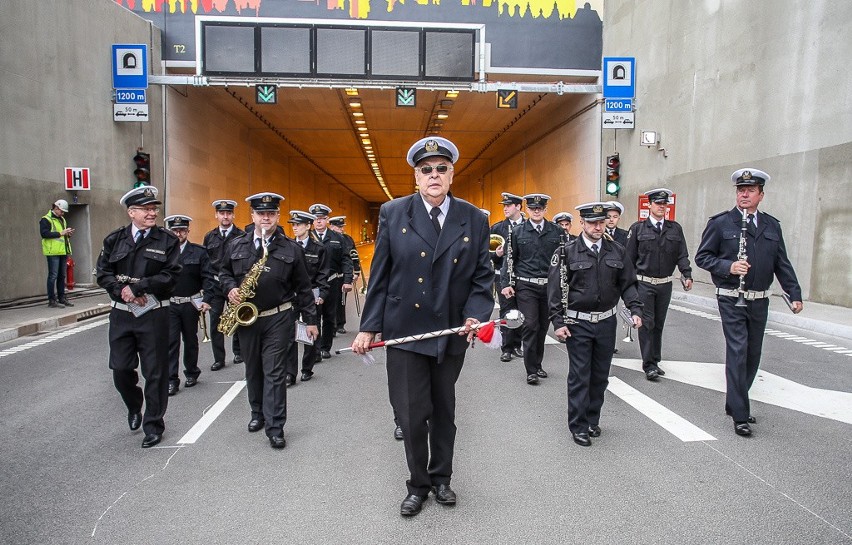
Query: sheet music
(302, 333)
(139, 310)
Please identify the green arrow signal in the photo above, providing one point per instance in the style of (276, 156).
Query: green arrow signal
(267, 94)
(405, 97)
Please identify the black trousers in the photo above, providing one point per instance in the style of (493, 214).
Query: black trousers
(341, 309)
(328, 324)
(589, 359)
(743, 328)
(265, 344)
(217, 340)
(183, 324)
(656, 300)
(137, 342)
(309, 353)
(423, 396)
(511, 337)
(532, 302)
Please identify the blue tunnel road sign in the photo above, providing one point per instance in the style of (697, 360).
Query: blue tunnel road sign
(129, 66)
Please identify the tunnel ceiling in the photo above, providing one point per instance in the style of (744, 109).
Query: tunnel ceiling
(317, 123)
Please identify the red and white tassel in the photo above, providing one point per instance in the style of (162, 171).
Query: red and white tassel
(490, 335)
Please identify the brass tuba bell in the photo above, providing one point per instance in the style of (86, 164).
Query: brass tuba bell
(494, 242)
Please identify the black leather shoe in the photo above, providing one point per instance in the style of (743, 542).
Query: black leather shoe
(66, 302)
(411, 505)
(341, 331)
(54, 304)
(594, 431)
(444, 494)
(532, 379)
(582, 439)
(541, 373)
(652, 374)
(217, 365)
(190, 382)
(742, 428)
(289, 380)
(173, 388)
(277, 441)
(306, 376)
(238, 359)
(256, 424)
(397, 433)
(135, 420)
(615, 350)
(517, 353)
(752, 420)
(506, 356)
(659, 371)
(151, 439)
(325, 354)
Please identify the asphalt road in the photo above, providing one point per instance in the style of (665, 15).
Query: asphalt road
(74, 473)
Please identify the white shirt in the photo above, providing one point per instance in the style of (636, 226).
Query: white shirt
(444, 207)
(225, 232)
(134, 230)
(589, 243)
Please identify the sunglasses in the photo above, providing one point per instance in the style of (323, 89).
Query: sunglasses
(427, 169)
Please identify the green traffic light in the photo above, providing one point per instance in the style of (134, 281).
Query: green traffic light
(612, 188)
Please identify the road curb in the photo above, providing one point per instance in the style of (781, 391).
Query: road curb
(48, 324)
(779, 317)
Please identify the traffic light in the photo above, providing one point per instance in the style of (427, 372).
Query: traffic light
(613, 177)
(143, 169)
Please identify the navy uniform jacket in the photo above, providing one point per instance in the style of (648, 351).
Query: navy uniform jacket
(215, 245)
(420, 282)
(339, 261)
(620, 236)
(766, 253)
(531, 252)
(195, 274)
(657, 255)
(595, 283)
(284, 278)
(316, 261)
(154, 261)
(349, 248)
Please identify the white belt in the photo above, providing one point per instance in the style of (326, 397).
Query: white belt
(748, 295)
(122, 306)
(654, 281)
(539, 281)
(180, 300)
(593, 317)
(335, 276)
(273, 311)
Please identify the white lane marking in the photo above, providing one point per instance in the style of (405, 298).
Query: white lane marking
(204, 422)
(767, 388)
(668, 420)
(772, 332)
(51, 338)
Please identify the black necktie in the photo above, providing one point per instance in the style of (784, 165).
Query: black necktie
(595, 249)
(222, 233)
(658, 227)
(140, 234)
(750, 227)
(435, 212)
(538, 228)
(258, 247)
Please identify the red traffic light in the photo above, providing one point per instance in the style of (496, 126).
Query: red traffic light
(143, 168)
(613, 161)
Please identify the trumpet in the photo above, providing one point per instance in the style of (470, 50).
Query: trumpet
(494, 242)
(203, 325)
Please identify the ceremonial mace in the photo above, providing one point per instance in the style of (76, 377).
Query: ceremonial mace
(513, 320)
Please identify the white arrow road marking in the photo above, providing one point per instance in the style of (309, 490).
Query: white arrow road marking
(668, 420)
(201, 426)
(767, 388)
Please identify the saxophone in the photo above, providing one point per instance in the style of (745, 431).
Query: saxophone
(244, 313)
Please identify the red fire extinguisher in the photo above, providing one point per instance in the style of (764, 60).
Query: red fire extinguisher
(69, 273)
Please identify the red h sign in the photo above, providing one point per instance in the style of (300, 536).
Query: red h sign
(77, 179)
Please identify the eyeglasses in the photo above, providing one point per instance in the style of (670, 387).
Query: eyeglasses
(427, 169)
(147, 210)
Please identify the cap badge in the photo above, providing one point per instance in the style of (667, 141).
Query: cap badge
(148, 192)
(431, 146)
(266, 198)
(597, 209)
(536, 199)
(746, 175)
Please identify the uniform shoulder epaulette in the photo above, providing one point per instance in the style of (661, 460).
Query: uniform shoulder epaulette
(116, 232)
(770, 216)
(167, 232)
(199, 246)
(720, 214)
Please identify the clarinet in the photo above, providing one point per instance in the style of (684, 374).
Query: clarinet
(741, 256)
(510, 265)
